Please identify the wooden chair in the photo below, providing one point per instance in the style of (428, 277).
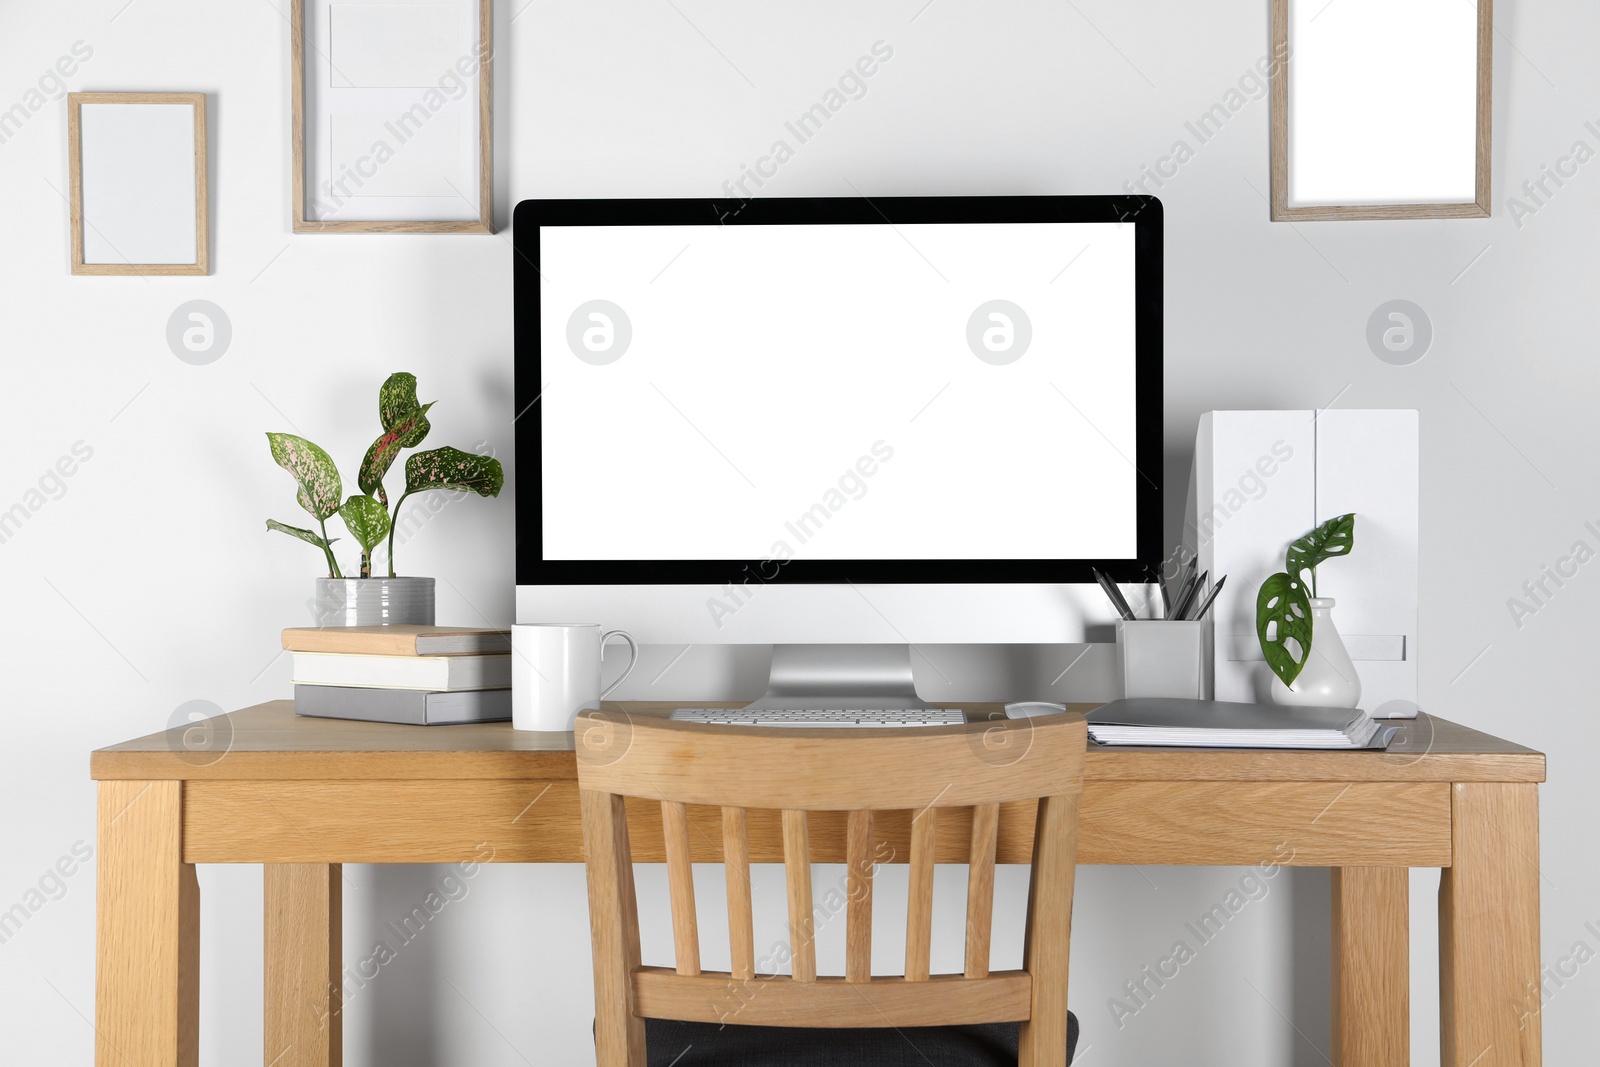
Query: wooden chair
(768, 783)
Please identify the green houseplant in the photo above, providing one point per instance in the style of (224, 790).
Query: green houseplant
(1290, 621)
(367, 515)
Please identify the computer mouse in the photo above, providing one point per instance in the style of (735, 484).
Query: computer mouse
(1033, 709)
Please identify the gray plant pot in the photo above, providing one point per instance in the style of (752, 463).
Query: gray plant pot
(373, 601)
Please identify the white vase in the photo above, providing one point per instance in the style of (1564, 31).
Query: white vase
(1328, 679)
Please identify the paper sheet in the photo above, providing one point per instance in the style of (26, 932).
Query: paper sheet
(138, 183)
(392, 45)
(397, 155)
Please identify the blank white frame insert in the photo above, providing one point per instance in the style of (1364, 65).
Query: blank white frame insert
(377, 46)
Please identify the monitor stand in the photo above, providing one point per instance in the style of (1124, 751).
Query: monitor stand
(840, 676)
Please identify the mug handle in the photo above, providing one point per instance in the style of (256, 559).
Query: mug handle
(633, 649)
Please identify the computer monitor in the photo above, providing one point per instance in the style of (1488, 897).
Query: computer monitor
(840, 421)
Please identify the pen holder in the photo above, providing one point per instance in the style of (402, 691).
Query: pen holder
(1163, 658)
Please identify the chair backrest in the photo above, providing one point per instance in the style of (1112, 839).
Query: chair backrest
(952, 777)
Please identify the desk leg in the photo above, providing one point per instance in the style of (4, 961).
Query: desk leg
(1371, 966)
(1489, 928)
(147, 938)
(304, 1024)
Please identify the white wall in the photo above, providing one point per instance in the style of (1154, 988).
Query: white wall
(150, 581)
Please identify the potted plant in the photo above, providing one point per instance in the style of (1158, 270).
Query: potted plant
(367, 516)
(1290, 622)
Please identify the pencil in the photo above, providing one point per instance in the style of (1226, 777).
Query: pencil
(1205, 605)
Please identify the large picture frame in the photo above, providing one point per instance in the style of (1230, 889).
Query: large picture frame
(392, 123)
(1381, 109)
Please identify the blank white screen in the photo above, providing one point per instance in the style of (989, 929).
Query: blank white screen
(809, 392)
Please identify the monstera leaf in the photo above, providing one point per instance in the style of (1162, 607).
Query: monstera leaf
(405, 424)
(451, 468)
(1283, 615)
(367, 520)
(318, 478)
(1336, 537)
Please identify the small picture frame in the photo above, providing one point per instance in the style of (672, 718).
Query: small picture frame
(136, 167)
(392, 127)
(1381, 109)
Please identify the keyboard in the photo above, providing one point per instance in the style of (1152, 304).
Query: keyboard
(843, 716)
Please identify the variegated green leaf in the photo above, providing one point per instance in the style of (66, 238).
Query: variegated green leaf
(1283, 625)
(313, 469)
(451, 468)
(397, 402)
(367, 520)
(408, 432)
(405, 425)
(375, 464)
(308, 536)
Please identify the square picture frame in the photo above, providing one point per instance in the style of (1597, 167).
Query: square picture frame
(136, 171)
(392, 120)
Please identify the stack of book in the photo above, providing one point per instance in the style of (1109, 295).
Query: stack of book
(421, 675)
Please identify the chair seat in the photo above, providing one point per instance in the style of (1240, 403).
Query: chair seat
(678, 1044)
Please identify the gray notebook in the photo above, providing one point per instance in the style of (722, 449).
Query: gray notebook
(416, 707)
(1226, 724)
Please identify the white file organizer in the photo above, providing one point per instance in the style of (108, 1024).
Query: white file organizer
(1262, 478)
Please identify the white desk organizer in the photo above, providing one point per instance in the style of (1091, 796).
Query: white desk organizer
(1263, 478)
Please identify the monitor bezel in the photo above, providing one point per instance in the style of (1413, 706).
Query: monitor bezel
(1144, 213)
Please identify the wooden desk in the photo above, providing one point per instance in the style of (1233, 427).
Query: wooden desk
(305, 795)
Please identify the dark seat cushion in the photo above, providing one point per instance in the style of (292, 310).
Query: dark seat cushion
(676, 1044)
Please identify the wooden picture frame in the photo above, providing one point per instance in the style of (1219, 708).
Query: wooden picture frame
(306, 58)
(1477, 206)
(151, 170)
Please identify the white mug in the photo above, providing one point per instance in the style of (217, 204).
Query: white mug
(555, 672)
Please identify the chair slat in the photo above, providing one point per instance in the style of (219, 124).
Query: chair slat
(680, 883)
(892, 770)
(980, 888)
(797, 871)
(741, 922)
(618, 1031)
(1047, 941)
(829, 1002)
(858, 912)
(919, 904)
